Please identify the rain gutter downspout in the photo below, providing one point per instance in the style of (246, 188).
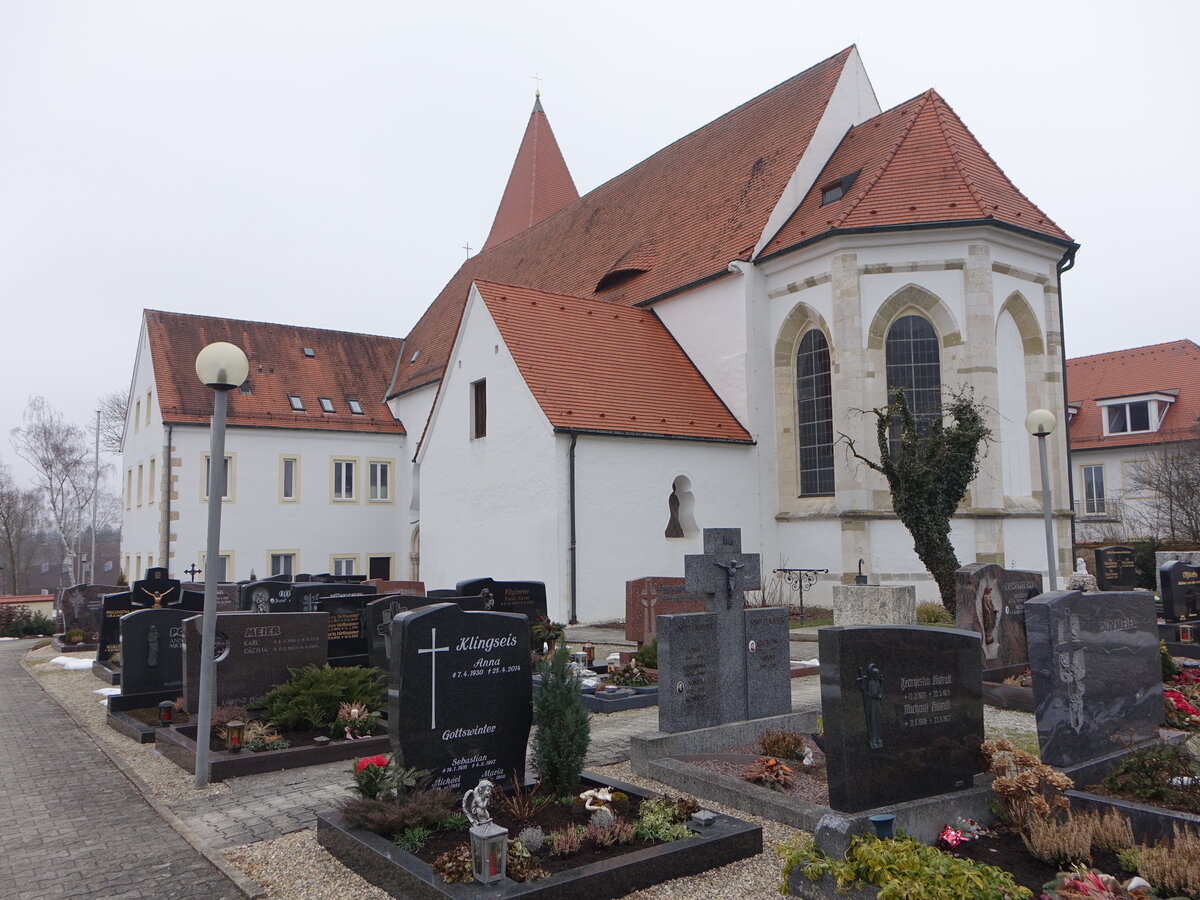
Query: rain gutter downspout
(574, 619)
(164, 530)
(1065, 265)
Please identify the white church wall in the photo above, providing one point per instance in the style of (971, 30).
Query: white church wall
(1025, 544)
(141, 452)
(622, 489)
(489, 505)
(1012, 407)
(808, 544)
(877, 288)
(709, 323)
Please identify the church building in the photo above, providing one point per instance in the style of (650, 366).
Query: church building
(688, 345)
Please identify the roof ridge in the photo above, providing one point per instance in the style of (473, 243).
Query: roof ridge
(1124, 350)
(883, 167)
(167, 312)
(939, 105)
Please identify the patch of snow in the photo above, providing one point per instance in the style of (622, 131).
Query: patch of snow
(70, 662)
(107, 692)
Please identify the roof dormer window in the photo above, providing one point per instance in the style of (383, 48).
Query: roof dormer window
(244, 388)
(355, 406)
(1134, 415)
(310, 352)
(326, 404)
(296, 402)
(836, 190)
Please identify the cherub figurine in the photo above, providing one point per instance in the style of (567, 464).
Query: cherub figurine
(596, 798)
(475, 803)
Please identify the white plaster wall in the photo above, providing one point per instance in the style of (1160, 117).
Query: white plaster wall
(1025, 544)
(946, 284)
(622, 490)
(709, 323)
(1004, 286)
(489, 506)
(142, 442)
(1130, 505)
(1012, 406)
(809, 544)
(819, 297)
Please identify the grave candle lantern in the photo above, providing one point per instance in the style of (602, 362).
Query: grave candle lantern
(590, 649)
(1186, 634)
(166, 712)
(489, 852)
(235, 736)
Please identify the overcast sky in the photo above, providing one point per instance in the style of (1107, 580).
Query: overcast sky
(325, 163)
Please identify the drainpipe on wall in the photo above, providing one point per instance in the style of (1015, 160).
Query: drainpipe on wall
(164, 528)
(574, 620)
(1066, 264)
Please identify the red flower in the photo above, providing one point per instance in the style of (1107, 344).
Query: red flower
(379, 761)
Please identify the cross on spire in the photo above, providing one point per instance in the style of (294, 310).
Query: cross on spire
(468, 248)
(537, 91)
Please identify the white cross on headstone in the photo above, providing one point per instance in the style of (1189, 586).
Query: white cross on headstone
(433, 650)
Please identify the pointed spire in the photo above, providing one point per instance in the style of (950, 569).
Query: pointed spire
(539, 184)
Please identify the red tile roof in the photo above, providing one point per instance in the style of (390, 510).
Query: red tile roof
(688, 210)
(633, 378)
(1159, 368)
(917, 164)
(538, 186)
(344, 366)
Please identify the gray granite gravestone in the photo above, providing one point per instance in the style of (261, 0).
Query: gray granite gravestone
(1180, 589)
(254, 653)
(1097, 675)
(152, 651)
(461, 694)
(82, 608)
(728, 664)
(1115, 569)
(991, 601)
(903, 712)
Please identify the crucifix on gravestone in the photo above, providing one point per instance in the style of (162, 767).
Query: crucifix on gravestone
(1068, 652)
(433, 650)
(723, 573)
(192, 571)
(384, 629)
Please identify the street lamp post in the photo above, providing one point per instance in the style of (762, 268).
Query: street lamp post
(1040, 423)
(221, 366)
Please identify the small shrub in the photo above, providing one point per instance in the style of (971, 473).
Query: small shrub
(930, 613)
(648, 655)
(224, 714)
(456, 822)
(630, 675)
(566, 840)
(455, 865)
(1025, 789)
(521, 865)
(533, 838)
(521, 803)
(1130, 859)
(410, 840)
(313, 695)
(616, 831)
(1059, 842)
(563, 732)
(661, 819)
(40, 624)
(770, 772)
(13, 620)
(73, 636)
(783, 743)
(602, 818)
(1146, 775)
(388, 818)
(1174, 869)
(1111, 833)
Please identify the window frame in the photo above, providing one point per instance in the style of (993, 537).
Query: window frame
(151, 481)
(355, 407)
(284, 459)
(230, 477)
(894, 346)
(296, 402)
(226, 555)
(479, 409)
(821, 451)
(1157, 406)
(326, 404)
(292, 555)
(385, 465)
(334, 479)
(1093, 505)
(352, 558)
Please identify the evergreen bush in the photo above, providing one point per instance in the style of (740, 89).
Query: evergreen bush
(313, 695)
(563, 731)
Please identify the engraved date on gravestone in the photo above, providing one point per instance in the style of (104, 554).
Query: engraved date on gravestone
(927, 700)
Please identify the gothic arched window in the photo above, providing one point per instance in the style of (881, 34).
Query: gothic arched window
(914, 364)
(814, 409)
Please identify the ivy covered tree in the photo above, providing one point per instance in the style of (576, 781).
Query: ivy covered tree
(928, 464)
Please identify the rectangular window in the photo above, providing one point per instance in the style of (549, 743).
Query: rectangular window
(1093, 490)
(147, 407)
(139, 485)
(355, 406)
(129, 488)
(127, 569)
(283, 564)
(343, 479)
(137, 566)
(228, 495)
(1135, 414)
(326, 404)
(380, 477)
(289, 478)
(137, 415)
(479, 408)
(151, 485)
(345, 565)
(224, 566)
(296, 402)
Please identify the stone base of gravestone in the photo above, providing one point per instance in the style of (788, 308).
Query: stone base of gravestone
(871, 604)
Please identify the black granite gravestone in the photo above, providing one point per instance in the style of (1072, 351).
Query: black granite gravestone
(82, 608)
(152, 651)
(525, 597)
(462, 688)
(1180, 587)
(728, 664)
(1097, 675)
(348, 636)
(903, 712)
(155, 591)
(1115, 569)
(991, 601)
(254, 653)
(257, 596)
(379, 614)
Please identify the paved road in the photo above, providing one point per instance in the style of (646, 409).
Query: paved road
(71, 825)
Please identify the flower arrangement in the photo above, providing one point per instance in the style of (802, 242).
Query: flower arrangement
(770, 772)
(371, 775)
(959, 832)
(630, 675)
(356, 720)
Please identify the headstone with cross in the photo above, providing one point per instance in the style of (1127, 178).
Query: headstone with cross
(460, 696)
(1097, 676)
(193, 570)
(727, 664)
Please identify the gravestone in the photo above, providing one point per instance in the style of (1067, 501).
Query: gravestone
(254, 653)
(1115, 569)
(156, 591)
(152, 651)
(903, 712)
(227, 596)
(728, 664)
(379, 614)
(255, 596)
(1180, 587)
(874, 604)
(339, 579)
(407, 588)
(349, 640)
(462, 694)
(525, 597)
(82, 608)
(991, 602)
(648, 598)
(1097, 675)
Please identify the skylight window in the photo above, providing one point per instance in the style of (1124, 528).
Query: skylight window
(326, 404)
(310, 352)
(414, 357)
(836, 190)
(297, 403)
(355, 406)
(244, 387)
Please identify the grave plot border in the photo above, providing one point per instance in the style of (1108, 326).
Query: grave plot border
(106, 673)
(62, 646)
(1007, 696)
(118, 719)
(178, 744)
(401, 874)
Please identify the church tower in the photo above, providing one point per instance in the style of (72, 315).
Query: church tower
(539, 184)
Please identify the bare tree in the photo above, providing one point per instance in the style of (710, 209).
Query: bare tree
(20, 521)
(114, 409)
(1169, 476)
(59, 454)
